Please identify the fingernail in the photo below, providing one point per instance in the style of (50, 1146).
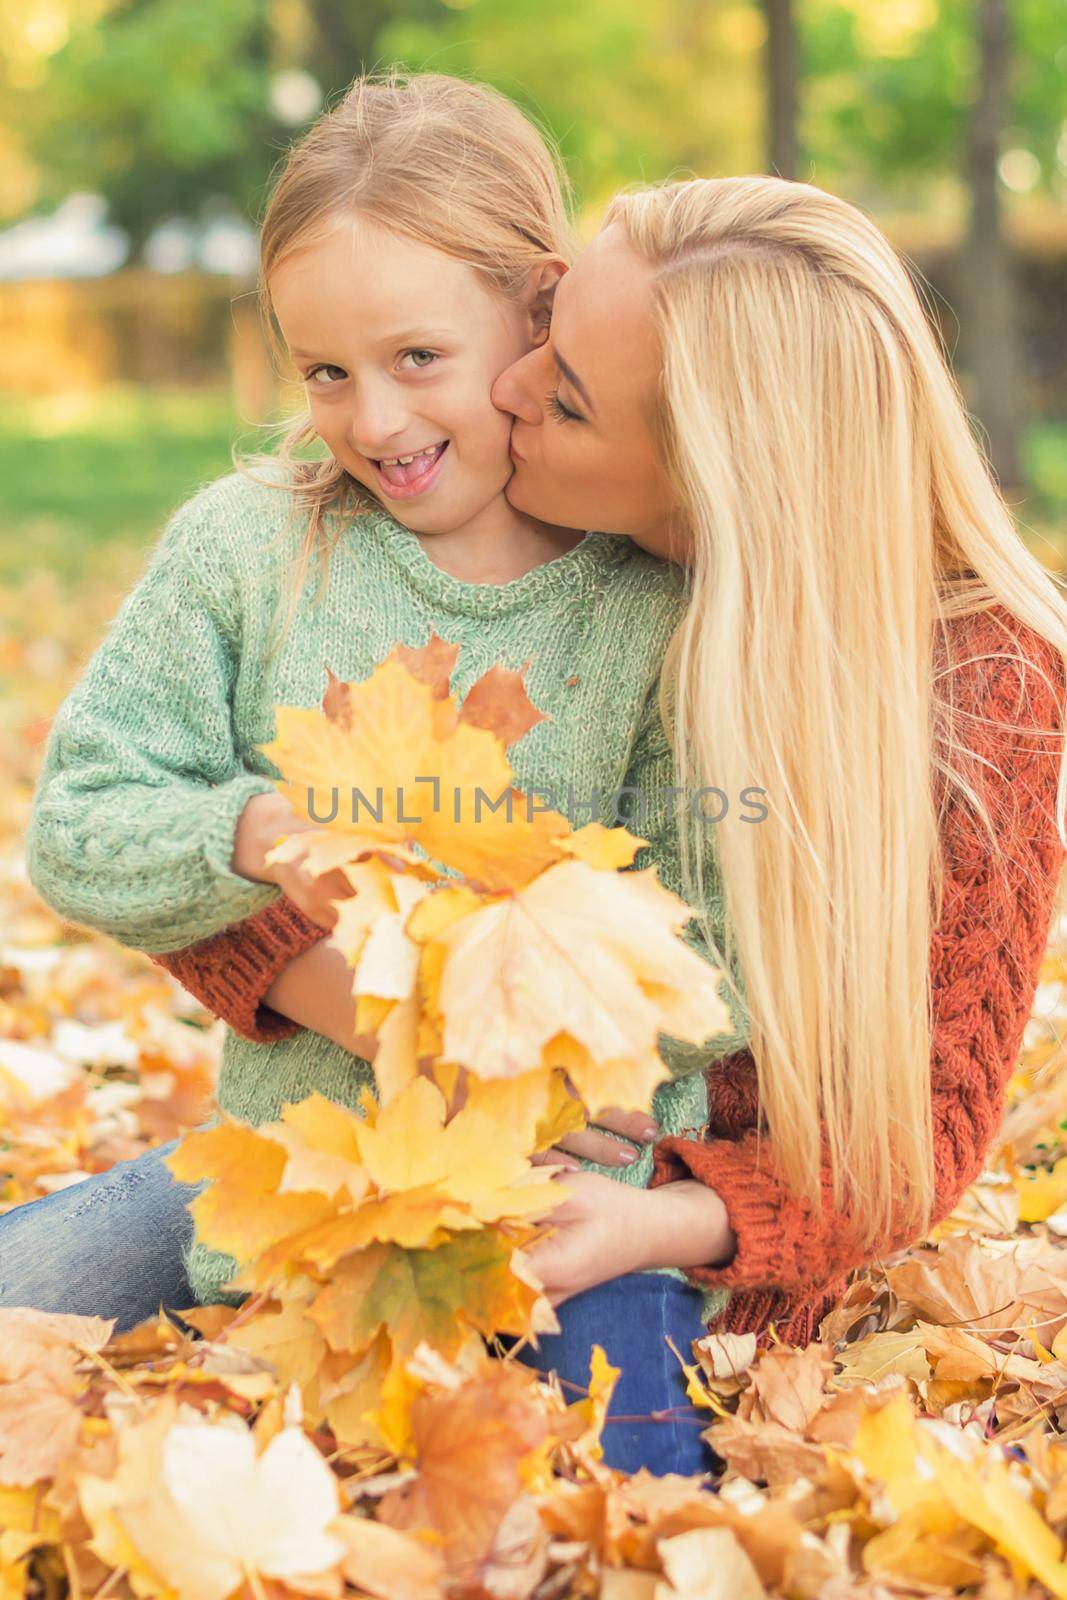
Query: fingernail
(650, 1130)
(627, 1157)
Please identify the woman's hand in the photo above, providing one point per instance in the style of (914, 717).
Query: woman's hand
(599, 1231)
(264, 820)
(637, 1126)
(604, 1229)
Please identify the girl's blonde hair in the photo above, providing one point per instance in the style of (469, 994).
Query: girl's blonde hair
(839, 511)
(451, 164)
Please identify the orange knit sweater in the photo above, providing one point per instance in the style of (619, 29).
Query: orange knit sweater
(792, 1261)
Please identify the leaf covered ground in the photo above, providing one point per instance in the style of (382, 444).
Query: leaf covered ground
(915, 1449)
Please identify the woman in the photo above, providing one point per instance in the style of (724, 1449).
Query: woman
(740, 377)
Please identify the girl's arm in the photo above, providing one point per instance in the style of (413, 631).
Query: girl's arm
(985, 961)
(132, 826)
(261, 975)
(274, 972)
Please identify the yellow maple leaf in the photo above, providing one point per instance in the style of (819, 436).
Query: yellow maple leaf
(1042, 1192)
(444, 783)
(535, 1110)
(242, 1211)
(412, 1148)
(202, 1511)
(593, 1409)
(305, 1192)
(606, 849)
(576, 958)
(320, 1141)
(433, 1295)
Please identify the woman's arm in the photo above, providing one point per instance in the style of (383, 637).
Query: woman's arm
(985, 961)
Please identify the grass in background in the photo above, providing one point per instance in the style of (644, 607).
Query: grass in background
(90, 479)
(87, 481)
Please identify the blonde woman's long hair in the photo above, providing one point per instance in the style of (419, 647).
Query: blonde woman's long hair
(448, 163)
(839, 511)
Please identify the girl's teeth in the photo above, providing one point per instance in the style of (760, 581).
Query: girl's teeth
(405, 461)
(397, 470)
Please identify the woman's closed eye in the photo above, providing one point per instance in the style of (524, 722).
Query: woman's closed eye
(561, 412)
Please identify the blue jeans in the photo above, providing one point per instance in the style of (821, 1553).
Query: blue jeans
(109, 1246)
(112, 1246)
(630, 1317)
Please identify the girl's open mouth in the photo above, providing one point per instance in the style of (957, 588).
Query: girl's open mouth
(403, 477)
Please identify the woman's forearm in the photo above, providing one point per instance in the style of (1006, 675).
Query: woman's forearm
(315, 990)
(688, 1227)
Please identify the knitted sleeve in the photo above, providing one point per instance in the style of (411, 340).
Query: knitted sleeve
(132, 824)
(232, 971)
(985, 960)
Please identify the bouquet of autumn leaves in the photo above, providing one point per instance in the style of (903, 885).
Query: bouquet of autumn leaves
(516, 981)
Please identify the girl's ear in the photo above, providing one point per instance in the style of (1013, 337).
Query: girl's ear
(540, 292)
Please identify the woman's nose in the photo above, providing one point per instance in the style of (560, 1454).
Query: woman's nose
(515, 391)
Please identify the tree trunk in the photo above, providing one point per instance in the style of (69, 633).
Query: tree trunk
(992, 335)
(781, 79)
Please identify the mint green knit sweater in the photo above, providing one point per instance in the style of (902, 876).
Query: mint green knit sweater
(153, 754)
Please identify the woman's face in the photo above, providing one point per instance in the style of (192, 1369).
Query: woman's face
(582, 440)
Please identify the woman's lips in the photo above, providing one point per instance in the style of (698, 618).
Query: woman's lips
(401, 485)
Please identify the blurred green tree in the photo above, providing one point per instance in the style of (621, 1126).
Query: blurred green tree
(165, 105)
(887, 93)
(631, 91)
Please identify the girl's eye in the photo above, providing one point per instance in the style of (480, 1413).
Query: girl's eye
(421, 358)
(559, 410)
(315, 376)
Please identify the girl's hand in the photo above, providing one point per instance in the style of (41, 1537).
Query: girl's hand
(261, 824)
(605, 1228)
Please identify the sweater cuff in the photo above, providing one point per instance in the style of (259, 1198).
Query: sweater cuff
(755, 1212)
(231, 971)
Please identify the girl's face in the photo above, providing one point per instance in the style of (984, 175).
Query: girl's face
(583, 443)
(398, 346)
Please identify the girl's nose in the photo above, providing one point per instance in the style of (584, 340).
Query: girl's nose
(378, 419)
(515, 389)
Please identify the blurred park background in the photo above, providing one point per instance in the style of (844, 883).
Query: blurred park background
(137, 138)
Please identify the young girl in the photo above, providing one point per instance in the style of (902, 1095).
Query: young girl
(409, 252)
